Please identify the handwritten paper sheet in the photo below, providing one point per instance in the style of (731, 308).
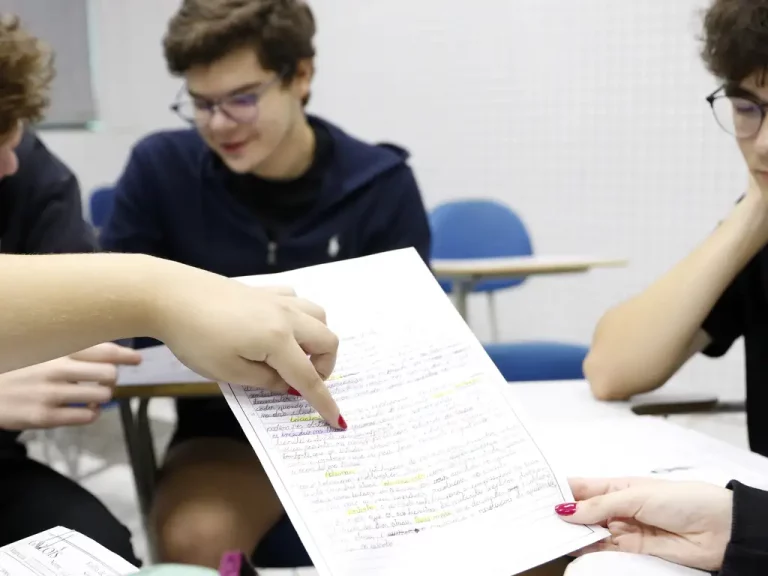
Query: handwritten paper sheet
(61, 552)
(438, 472)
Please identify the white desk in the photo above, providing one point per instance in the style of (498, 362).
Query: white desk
(465, 273)
(587, 438)
(590, 438)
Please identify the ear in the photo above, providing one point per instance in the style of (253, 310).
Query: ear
(302, 80)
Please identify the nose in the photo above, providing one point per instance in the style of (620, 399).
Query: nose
(9, 163)
(220, 121)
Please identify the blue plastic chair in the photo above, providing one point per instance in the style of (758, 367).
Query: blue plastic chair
(490, 229)
(101, 203)
(536, 361)
(467, 229)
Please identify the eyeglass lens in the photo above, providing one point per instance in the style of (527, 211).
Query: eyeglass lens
(241, 108)
(738, 116)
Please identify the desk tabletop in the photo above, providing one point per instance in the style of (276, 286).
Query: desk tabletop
(168, 390)
(520, 265)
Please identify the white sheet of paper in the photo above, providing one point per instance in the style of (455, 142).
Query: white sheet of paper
(620, 563)
(438, 470)
(158, 366)
(61, 552)
(648, 446)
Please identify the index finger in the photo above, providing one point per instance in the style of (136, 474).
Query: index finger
(108, 353)
(317, 340)
(293, 366)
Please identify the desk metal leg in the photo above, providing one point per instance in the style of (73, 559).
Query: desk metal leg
(142, 476)
(146, 444)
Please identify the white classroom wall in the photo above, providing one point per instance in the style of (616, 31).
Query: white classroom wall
(588, 117)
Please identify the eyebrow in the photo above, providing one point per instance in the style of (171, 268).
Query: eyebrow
(233, 92)
(739, 92)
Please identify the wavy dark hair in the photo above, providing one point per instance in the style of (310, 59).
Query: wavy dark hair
(735, 39)
(202, 31)
(26, 72)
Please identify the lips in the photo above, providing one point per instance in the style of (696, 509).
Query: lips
(232, 147)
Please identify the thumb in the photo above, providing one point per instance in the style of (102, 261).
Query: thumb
(598, 510)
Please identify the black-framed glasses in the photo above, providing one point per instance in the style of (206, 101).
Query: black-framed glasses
(241, 107)
(738, 114)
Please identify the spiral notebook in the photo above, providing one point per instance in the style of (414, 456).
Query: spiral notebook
(61, 552)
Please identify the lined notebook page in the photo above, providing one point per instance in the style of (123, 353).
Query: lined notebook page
(61, 552)
(438, 472)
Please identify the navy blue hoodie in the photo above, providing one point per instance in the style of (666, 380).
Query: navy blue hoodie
(173, 201)
(40, 205)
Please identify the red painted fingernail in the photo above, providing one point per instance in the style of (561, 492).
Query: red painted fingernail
(342, 422)
(567, 509)
(293, 392)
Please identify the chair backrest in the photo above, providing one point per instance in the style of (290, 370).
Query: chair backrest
(538, 360)
(101, 205)
(466, 229)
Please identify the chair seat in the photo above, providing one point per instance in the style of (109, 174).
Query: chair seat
(538, 360)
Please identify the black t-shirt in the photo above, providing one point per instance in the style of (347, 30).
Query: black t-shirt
(277, 203)
(40, 213)
(742, 310)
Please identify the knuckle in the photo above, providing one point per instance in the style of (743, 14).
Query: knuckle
(51, 395)
(278, 332)
(40, 415)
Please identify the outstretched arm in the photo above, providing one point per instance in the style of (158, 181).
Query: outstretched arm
(222, 329)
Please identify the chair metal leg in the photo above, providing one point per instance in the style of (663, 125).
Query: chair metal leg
(494, 319)
(463, 288)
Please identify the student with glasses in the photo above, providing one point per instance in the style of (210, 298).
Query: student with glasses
(719, 292)
(255, 186)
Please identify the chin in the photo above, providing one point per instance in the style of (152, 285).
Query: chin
(239, 165)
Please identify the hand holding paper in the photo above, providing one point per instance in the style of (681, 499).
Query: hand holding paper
(688, 523)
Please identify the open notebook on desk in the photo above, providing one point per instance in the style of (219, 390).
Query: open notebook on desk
(438, 472)
(61, 552)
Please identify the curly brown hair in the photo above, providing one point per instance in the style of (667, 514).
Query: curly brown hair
(735, 39)
(26, 72)
(203, 31)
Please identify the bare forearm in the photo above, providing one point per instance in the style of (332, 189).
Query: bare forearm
(639, 344)
(54, 305)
